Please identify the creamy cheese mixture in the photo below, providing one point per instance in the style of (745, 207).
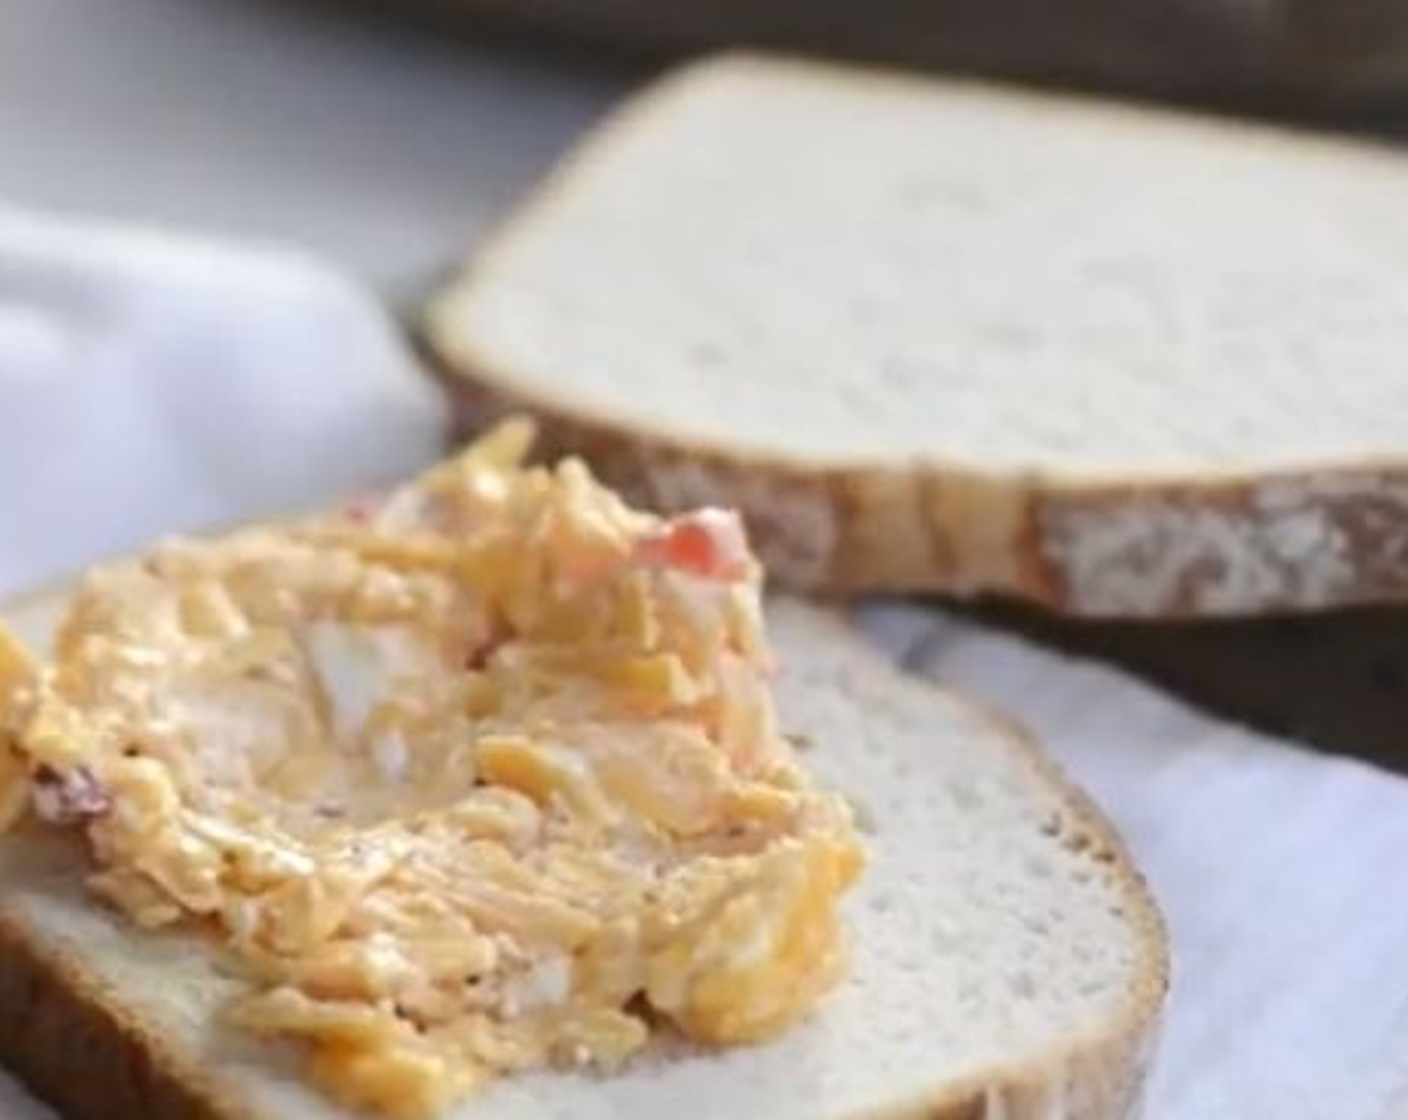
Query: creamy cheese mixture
(478, 779)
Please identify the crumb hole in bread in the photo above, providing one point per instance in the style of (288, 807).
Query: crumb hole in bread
(865, 818)
(1022, 985)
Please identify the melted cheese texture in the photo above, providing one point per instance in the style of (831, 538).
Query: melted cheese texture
(483, 779)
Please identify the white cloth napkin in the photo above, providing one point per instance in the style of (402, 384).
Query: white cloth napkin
(148, 384)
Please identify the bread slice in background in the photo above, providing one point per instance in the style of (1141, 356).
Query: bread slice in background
(947, 337)
(1007, 961)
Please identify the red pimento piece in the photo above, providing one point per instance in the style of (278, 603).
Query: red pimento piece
(709, 543)
(360, 509)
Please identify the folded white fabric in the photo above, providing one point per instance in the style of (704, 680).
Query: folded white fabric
(149, 385)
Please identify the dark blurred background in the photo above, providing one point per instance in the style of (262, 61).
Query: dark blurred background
(1321, 58)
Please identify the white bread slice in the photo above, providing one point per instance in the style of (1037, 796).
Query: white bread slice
(942, 336)
(1008, 961)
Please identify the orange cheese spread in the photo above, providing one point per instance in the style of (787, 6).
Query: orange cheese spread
(481, 779)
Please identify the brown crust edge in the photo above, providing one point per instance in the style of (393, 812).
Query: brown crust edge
(1238, 546)
(1286, 542)
(77, 1049)
(817, 529)
(1100, 1078)
(1083, 547)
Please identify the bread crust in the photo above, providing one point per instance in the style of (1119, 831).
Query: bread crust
(1096, 1077)
(1205, 548)
(1206, 545)
(81, 1050)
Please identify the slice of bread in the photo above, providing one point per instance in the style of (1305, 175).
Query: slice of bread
(1007, 961)
(941, 336)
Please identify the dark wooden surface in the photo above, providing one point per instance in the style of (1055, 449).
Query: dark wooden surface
(1336, 681)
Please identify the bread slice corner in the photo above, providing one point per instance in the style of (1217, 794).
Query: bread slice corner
(1008, 959)
(1118, 361)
